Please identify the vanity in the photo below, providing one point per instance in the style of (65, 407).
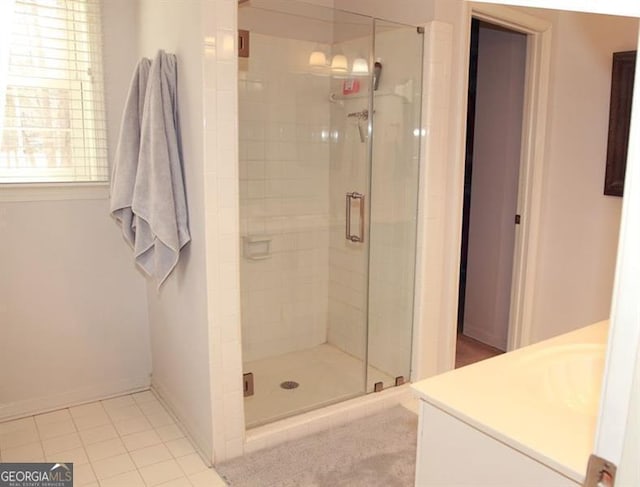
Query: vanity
(523, 419)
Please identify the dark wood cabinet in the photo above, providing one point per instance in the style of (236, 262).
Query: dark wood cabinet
(622, 80)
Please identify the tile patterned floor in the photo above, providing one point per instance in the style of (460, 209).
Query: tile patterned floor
(127, 441)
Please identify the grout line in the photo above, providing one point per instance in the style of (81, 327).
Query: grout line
(120, 437)
(75, 404)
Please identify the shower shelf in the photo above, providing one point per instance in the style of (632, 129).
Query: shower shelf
(404, 90)
(256, 247)
(360, 96)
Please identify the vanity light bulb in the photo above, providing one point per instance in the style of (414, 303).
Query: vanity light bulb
(360, 66)
(339, 62)
(317, 58)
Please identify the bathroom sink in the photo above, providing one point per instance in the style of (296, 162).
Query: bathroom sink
(567, 376)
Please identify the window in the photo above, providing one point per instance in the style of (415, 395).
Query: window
(52, 123)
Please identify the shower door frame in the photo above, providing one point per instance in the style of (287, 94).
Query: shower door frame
(229, 438)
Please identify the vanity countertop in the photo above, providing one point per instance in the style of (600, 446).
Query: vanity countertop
(541, 400)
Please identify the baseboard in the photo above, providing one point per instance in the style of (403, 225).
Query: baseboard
(203, 444)
(75, 397)
(478, 333)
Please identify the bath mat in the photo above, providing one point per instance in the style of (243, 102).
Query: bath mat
(377, 450)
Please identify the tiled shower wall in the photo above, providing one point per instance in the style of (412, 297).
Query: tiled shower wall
(284, 198)
(348, 261)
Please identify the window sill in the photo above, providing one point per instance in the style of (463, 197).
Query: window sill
(17, 192)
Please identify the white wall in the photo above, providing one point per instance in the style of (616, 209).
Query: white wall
(579, 234)
(73, 321)
(494, 184)
(73, 314)
(178, 312)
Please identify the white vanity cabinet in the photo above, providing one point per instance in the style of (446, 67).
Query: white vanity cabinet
(522, 419)
(452, 453)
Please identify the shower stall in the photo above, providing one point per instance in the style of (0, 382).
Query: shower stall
(329, 110)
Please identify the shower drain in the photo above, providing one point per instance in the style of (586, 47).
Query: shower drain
(289, 384)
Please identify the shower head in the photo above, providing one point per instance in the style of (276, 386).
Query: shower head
(377, 71)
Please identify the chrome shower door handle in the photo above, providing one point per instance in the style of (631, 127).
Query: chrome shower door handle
(348, 235)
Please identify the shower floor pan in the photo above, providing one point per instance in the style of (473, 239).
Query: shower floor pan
(325, 375)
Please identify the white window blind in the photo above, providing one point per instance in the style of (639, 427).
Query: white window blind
(52, 117)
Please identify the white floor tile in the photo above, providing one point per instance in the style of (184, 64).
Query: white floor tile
(101, 433)
(150, 455)
(128, 479)
(105, 449)
(141, 440)
(169, 432)
(144, 397)
(181, 482)
(180, 447)
(53, 417)
(110, 467)
(19, 438)
(89, 409)
(161, 472)
(151, 407)
(159, 419)
(208, 478)
(130, 426)
(125, 413)
(17, 425)
(61, 443)
(50, 430)
(191, 464)
(117, 402)
(25, 453)
(93, 420)
(118, 441)
(83, 475)
(77, 456)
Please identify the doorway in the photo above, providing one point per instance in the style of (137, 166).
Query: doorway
(496, 92)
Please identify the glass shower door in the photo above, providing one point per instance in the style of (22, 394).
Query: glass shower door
(304, 165)
(329, 106)
(395, 153)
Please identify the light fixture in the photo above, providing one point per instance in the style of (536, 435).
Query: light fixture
(318, 59)
(339, 63)
(360, 66)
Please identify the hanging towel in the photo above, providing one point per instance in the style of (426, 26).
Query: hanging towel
(159, 204)
(125, 164)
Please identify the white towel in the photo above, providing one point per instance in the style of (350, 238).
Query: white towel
(125, 164)
(159, 203)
